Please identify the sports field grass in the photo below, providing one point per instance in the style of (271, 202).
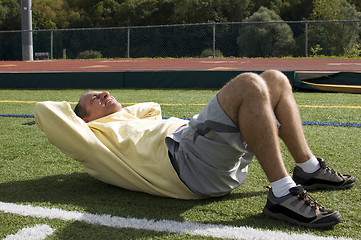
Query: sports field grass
(33, 172)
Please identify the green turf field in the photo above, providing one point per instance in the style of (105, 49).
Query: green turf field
(34, 172)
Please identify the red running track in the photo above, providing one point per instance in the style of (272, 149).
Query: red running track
(242, 64)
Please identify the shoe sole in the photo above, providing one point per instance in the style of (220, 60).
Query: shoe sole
(280, 216)
(327, 187)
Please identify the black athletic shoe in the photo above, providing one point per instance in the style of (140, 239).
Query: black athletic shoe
(324, 178)
(299, 208)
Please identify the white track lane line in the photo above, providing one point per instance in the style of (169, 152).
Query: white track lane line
(193, 228)
(38, 232)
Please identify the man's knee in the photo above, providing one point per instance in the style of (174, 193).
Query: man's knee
(250, 84)
(275, 78)
(247, 89)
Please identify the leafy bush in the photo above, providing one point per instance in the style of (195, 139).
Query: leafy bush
(354, 51)
(90, 54)
(316, 50)
(209, 53)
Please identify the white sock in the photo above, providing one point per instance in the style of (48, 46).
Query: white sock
(311, 166)
(282, 186)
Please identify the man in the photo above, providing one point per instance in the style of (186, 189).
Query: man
(210, 153)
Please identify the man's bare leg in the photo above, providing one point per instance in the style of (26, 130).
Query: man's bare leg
(252, 104)
(286, 111)
(291, 132)
(246, 100)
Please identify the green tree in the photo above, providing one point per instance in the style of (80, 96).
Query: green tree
(296, 10)
(113, 13)
(202, 11)
(51, 14)
(141, 13)
(232, 10)
(194, 11)
(265, 39)
(83, 9)
(335, 38)
(274, 5)
(41, 21)
(326, 9)
(105, 14)
(356, 3)
(10, 15)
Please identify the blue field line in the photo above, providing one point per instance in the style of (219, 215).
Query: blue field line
(318, 123)
(304, 123)
(17, 115)
(332, 124)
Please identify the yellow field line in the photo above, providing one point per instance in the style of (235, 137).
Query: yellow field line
(13, 101)
(16, 101)
(189, 104)
(183, 104)
(310, 106)
(164, 104)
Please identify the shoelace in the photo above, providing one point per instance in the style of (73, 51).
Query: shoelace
(306, 198)
(328, 169)
(309, 200)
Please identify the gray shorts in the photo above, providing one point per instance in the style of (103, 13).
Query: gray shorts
(209, 154)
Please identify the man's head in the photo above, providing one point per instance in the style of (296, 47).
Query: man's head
(93, 105)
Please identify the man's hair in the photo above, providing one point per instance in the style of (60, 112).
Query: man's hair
(80, 110)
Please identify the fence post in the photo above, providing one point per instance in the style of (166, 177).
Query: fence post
(51, 44)
(306, 39)
(128, 44)
(214, 40)
(27, 33)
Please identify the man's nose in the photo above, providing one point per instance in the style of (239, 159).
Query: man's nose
(104, 95)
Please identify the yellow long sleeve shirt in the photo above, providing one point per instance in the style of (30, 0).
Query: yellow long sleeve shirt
(125, 149)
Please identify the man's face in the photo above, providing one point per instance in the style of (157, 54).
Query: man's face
(99, 104)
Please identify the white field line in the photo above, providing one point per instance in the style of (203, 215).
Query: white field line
(38, 232)
(213, 230)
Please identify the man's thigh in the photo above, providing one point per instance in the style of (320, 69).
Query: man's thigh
(212, 156)
(231, 95)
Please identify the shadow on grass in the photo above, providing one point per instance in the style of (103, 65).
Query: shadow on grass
(83, 192)
(79, 189)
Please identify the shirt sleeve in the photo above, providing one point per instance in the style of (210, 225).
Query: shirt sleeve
(64, 129)
(147, 110)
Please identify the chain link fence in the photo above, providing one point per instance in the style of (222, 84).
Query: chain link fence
(241, 39)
